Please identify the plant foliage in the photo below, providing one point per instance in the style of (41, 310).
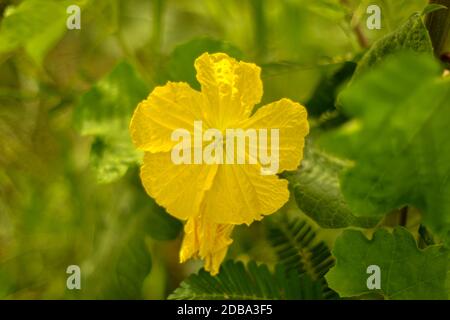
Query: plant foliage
(236, 281)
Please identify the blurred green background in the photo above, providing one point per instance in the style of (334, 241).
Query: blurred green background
(69, 186)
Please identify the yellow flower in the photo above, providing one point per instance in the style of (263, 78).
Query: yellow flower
(213, 198)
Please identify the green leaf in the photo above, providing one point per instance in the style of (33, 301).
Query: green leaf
(154, 221)
(126, 274)
(398, 141)
(158, 223)
(296, 246)
(432, 7)
(254, 282)
(412, 36)
(181, 63)
(120, 260)
(324, 96)
(406, 271)
(318, 193)
(111, 156)
(298, 250)
(105, 112)
(35, 25)
(330, 9)
(133, 265)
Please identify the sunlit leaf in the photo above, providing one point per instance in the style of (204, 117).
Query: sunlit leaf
(35, 25)
(398, 141)
(411, 36)
(105, 112)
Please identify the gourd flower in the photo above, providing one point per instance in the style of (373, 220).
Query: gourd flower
(195, 167)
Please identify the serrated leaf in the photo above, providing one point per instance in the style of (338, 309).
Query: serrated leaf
(35, 25)
(254, 282)
(105, 112)
(181, 63)
(318, 193)
(412, 36)
(398, 141)
(406, 271)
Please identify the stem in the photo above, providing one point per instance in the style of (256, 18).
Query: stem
(158, 11)
(362, 40)
(438, 25)
(259, 27)
(425, 236)
(403, 216)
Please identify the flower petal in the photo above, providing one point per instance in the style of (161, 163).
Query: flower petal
(178, 188)
(291, 120)
(170, 107)
(205, 240)
(232, 88)
(240, 194)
